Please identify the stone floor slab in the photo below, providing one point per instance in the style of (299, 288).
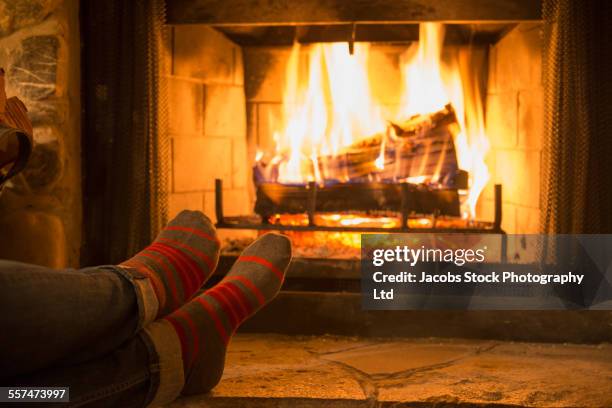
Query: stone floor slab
(329, 371)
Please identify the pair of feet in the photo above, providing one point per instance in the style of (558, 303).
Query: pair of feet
(180, 261)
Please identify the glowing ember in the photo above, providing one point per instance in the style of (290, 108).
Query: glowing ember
(347, 245)
(328, 108)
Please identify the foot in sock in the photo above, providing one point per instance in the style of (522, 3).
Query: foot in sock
(180, 260)
(205, 325)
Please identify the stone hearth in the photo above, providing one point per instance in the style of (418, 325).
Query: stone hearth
(330, 371)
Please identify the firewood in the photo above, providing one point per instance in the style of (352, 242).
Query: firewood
(275, 198)
(423, 145)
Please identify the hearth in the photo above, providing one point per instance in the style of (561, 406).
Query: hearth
(327, 120)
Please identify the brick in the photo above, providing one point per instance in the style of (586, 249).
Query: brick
(488, 192)
(209, 205)
(518, 63)
(492, 81)
(265, 73)
(252, 109)
(241, 164)
(185, 107)
(238, 67)
(251, 145)
(527, 220)
(269, 120)
(178, 202)
(531, 118)
(519, 173)
(204, 53)
(501, 119)
(235, 202)
(485, 209)
(225, 111)
(197, 162)
(509, 218)
(533, 39)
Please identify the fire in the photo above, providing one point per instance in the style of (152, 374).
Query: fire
(328, 106)
(424, 90)
(347, 245)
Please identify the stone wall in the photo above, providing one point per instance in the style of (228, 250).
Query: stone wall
(515, 118)
(207, 119)
(40, 211)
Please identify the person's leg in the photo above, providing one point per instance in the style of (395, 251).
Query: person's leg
(204, 326)
(127, 377)
(50, 315)
(183, 352)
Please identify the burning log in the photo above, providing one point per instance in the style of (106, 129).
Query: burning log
(274, 198)
(418, 149)
(412, 168)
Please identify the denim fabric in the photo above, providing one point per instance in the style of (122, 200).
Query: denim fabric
(126, 377)
(76, 328)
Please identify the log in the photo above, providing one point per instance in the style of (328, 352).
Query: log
(422, 146)
(274, 198)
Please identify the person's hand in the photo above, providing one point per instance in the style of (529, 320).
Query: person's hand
(13, 113)
(15, 133)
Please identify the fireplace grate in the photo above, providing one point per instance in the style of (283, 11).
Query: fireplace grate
(404, 208)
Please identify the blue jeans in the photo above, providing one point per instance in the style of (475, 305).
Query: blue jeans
(90, 330)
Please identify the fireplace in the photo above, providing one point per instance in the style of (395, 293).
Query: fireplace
(330, 121)
(442, 130)
(328, 129)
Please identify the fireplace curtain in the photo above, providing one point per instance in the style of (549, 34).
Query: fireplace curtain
(125, 147)
(577, 185)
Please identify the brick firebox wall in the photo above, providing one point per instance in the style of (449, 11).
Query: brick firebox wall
(515, 117)
(513, 110)
(215, 128)
(207, 122)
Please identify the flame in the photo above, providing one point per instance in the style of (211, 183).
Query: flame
(429, 85)
(328, 106)
(423, 91)
(380, 160)
(328, 110)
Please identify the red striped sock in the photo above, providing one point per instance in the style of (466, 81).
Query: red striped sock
(205, 325)
(180, 260)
